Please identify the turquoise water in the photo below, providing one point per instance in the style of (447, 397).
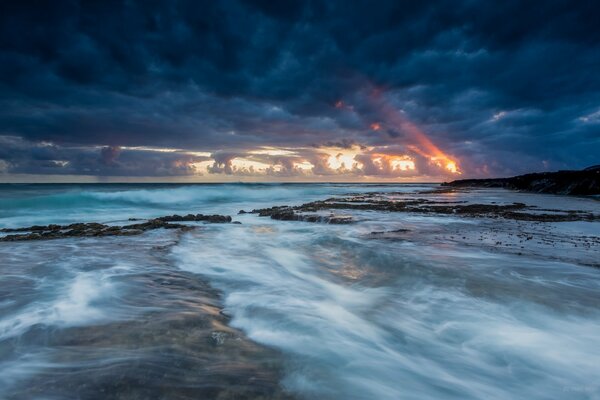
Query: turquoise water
(339, 314)
(23, 204)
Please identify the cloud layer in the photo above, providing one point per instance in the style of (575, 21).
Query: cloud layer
(298, 89)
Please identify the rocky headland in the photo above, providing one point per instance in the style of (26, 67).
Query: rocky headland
(582, 183)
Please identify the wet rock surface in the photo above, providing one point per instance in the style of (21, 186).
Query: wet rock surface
(213, 219)
(287, 213)
(94, 229)
(584, 182)
(163, 335)
(374, 202)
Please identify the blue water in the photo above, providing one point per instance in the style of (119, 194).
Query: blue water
(24, 204)
(434, 313)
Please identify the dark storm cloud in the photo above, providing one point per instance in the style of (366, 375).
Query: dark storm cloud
(505, 87)
(21, 156)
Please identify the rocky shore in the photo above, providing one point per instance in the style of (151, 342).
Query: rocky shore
(167, 336)
(582, 183)
(375, 202)
(92, 229)
(144, 307)
(329, 211)
(287, 213)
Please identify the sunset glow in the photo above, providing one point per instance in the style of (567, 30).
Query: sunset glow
(342, 158)
(402, 164)
(418, 141)
(306, 162)
(451, 166)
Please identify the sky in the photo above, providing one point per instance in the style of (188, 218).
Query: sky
(261, 90)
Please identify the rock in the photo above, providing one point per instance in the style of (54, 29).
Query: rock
(218, 219)
(214, 219)
(584, 182)
(287, 213)
(340, 219)
(373, 201)
(386, 232)
(92, 229)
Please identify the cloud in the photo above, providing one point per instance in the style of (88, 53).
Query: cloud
(503, 88)
(109, 154)
(19, 156)
(4, 166)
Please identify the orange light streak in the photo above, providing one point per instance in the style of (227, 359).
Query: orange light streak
(422, 144)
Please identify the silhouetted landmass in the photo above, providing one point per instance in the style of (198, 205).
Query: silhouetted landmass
(584, 182)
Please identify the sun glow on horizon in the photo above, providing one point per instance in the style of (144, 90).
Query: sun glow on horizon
(250, 165)
(451, 166)
(272, 151)
(402, 164)
(422, 144)
(342, 158)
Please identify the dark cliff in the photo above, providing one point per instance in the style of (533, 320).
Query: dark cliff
(583, 182)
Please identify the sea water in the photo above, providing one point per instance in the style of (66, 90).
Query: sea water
(438, 312)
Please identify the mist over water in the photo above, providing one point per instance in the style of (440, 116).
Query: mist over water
(337, 312)
(397, 320)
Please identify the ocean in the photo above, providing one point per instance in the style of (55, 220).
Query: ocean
(396, 305)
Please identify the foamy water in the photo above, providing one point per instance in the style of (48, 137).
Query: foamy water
(351, 316)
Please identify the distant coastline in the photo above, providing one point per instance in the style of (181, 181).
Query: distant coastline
(579, 182)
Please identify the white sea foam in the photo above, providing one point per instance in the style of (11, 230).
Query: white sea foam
(422, 335)
(25, 366)
(76, 304)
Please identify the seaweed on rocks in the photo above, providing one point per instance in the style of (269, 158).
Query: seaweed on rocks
(94, 229)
